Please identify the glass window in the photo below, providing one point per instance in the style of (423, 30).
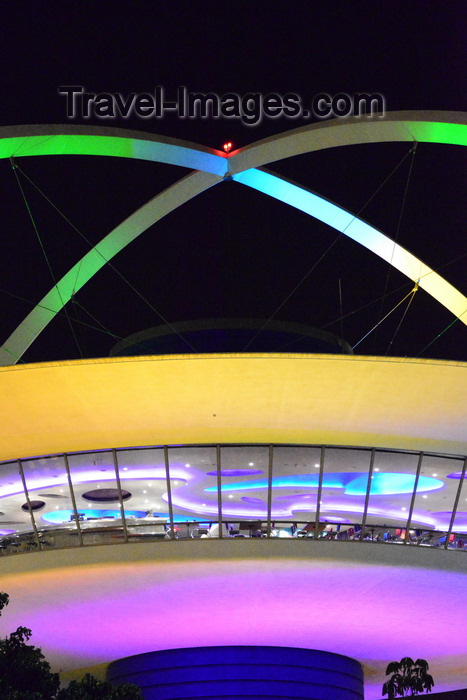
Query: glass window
(345, 484)
(294, 490)
(244, 498)
(193, 484)
(244, 487)
(392, 486)
(96, 494)
(434, 500)
(460, 522)
(14, 521)
(49, 493)
(142, 473)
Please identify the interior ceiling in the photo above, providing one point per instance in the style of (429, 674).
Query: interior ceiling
(244, 478)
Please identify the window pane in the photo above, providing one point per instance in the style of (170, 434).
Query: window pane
(96, 494)
(345, 483)
(244, 482)
(392, 485)
(460, 522)
(433, 506)
(142, 473)
(13, 519)
(295, 489)
(49, 493)
(193, 481)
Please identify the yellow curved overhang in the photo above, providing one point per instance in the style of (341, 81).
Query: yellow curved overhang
(78, 405)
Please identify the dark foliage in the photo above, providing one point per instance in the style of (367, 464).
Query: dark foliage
(24, 672)
(92, 689)
(26, 675)
(408, 678)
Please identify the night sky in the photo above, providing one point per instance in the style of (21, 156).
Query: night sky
(232, 252)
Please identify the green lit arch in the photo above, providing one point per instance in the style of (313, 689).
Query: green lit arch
(61, 140)
(417, 127)
(210, 168)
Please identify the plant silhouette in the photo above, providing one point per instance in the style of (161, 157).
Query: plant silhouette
(408, 678)
(26, 675)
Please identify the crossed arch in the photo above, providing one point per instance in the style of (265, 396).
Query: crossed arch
(211, 167)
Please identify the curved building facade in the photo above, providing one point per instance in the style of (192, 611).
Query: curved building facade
(269, 500)
(231, 335)
(241, 671)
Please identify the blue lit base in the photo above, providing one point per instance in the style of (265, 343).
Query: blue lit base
(239, 672)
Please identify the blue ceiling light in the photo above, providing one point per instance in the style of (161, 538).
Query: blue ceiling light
(355, 484)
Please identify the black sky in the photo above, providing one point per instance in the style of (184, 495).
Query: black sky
(232, 252)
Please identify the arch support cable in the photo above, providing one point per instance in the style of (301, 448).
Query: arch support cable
(433, 127)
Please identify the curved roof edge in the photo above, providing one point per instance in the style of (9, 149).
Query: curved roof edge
(397, 403)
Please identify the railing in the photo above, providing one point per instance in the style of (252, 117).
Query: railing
(153, 529)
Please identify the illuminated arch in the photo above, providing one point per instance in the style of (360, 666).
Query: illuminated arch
(61, 140)
(361, 232)
(212, 166)
(422, 127)
(138, 222)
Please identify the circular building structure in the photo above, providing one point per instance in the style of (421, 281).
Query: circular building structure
(243, 671)
(231, 335)
(310, 500)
